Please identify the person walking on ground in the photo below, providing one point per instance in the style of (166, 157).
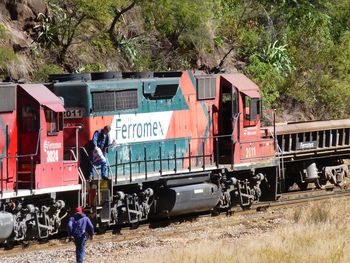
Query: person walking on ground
(99, 144)
(80, 228)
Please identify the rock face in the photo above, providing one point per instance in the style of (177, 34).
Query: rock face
(19, 18)
(22, 10)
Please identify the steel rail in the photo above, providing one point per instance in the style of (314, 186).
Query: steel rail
(127, 233)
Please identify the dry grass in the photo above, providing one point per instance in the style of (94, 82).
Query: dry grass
(316, 233)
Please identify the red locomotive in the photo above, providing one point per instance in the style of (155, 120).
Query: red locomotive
(185, 142)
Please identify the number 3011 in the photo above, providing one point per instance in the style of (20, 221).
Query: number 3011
(250, 152)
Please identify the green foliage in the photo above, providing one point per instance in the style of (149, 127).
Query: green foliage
(70, 21)
(103, 43)
(270, 67)
(45, 70)
(93, 68)
(339, 12)
(47, 31)
(268, 77)
(342, 57)
(129, 49)
(182, 22)
(297, 51)
(6, 54)
(182, 29)
(277, 57)
(3, 32)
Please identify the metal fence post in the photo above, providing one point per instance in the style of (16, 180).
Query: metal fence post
(145, 159)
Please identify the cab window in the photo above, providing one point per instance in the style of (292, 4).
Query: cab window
(252, 108)
(52, 122)
(30, 119)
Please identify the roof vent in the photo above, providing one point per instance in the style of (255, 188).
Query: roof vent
(69, 77)
(137, 75)
(106, 75)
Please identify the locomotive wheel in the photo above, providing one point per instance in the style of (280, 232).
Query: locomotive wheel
(320, 183)
(216, 211)
(134, 225)
(102, 229)
(43, 240)
(247, 205)
(302, 185)
(287, 185)
(10, 244)
(339, 178)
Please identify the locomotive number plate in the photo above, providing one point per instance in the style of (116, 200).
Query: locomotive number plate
(72, 113)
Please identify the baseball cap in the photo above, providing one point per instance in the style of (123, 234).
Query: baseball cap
(78, 210)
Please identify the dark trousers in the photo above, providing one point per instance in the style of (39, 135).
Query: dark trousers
(80, 248)
(103, 169)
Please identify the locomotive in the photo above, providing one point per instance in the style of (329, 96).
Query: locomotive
(186, 142)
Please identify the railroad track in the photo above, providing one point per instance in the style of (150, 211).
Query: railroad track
(126, 233)
(302, 197)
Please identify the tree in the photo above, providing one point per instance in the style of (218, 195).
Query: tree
(117, 9)
(68, 22)
(182, 30)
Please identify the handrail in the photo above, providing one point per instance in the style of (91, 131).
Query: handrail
(83, 190)
(2, 177)
(281, 163)
(28, 154)
(31, 163)
(168, 140)
(31, 155)
(74, 156)
(203, 158)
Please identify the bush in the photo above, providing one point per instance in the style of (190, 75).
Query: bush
(93, 68)
(6, 54)
(268, 78)
(45, 70)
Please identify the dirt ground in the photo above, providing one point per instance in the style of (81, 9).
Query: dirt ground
(132, 246)
(278, 234)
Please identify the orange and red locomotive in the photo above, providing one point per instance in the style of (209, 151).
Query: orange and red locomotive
(185, 142)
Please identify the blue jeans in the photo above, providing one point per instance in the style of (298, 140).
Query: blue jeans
(103, 169)
(80, 248)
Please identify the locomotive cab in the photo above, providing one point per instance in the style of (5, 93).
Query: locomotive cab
(40, 140)
(36, 181)
(240, 117)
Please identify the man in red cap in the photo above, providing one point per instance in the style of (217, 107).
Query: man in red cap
(80, 227)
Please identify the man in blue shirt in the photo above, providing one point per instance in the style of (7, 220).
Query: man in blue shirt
(100, 142)
(101, 138)
(79, 226)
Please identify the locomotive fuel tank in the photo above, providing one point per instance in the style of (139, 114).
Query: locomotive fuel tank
(187, 199)
(6, 225)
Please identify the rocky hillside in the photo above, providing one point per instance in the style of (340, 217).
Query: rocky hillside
(17, 19)
(298, 51)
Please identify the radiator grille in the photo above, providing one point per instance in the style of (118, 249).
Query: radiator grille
(206, 87)
(114, 100)
(7, 98)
